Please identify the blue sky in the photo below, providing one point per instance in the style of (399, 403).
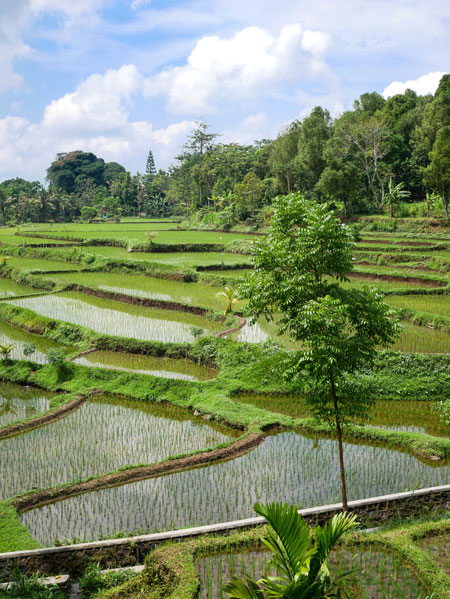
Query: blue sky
(121, 77)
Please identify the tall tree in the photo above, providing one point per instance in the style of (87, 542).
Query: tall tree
(150, 168)
(437, 174)
(314, 132)
(298, 270)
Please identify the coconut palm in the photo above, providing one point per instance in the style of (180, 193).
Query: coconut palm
(299, 557)
(230, 295)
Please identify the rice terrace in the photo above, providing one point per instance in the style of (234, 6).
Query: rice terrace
(230, 377)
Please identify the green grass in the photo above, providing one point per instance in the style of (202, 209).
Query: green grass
(13, 534)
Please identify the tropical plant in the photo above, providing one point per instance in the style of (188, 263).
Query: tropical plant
(299, 557)
(394, 194)
(6, 351)
(230, 295)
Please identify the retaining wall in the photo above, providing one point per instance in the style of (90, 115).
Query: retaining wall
(72, 559)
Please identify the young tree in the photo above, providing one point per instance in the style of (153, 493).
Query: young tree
(299, 268)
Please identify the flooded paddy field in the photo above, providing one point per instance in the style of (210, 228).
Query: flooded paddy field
(20, 338)
(374, 574)
(117, 318)
(286, 467)
(413, 338)
(19, 403)
(103, 435)
(409, 416)
(191, 294)
(170, 368)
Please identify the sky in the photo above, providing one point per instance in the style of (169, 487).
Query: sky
(120, 78)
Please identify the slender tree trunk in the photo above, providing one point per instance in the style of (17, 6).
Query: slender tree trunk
(445, 203)
(341, 449)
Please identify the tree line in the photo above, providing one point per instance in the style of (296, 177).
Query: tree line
(370, 159)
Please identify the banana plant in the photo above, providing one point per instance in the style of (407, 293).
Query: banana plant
(230, 295)
(6, 351)
(299, 556)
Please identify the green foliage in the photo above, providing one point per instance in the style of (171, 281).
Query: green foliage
(6, 350)
(298, 556)
(298, 273)
(93, 581)
(24, 587)
(13, 534)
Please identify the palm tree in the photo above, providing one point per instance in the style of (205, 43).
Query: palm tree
(299, 557)
(230, 295)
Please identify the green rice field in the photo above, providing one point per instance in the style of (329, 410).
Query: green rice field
(40, 264)
(116, 433)
(435, 304)
(117, 318)
(410, 416)
(170, 368)
(288, 466)
(180, 259)
(192, 294)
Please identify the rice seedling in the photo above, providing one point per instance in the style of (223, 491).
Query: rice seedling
(103, 435)
(117, 318)
(374, 574)
(436, 304)
(18, 403)
(287, 467)
(194, 294)
(409, 416)
(418, 339)
(170, 368)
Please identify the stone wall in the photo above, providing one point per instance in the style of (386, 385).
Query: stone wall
(72, 559)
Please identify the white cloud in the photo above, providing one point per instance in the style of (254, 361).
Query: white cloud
(137, 4)
(427, 84)
(92, 118)
(98, 104)
(240, 66)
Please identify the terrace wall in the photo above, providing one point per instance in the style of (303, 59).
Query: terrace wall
(72, 559)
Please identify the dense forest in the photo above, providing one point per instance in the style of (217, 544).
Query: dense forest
(382, 156)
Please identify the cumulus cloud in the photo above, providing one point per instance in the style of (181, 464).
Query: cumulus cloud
(95, 117)
(427, 84)
(240, 66)
(98, 104)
